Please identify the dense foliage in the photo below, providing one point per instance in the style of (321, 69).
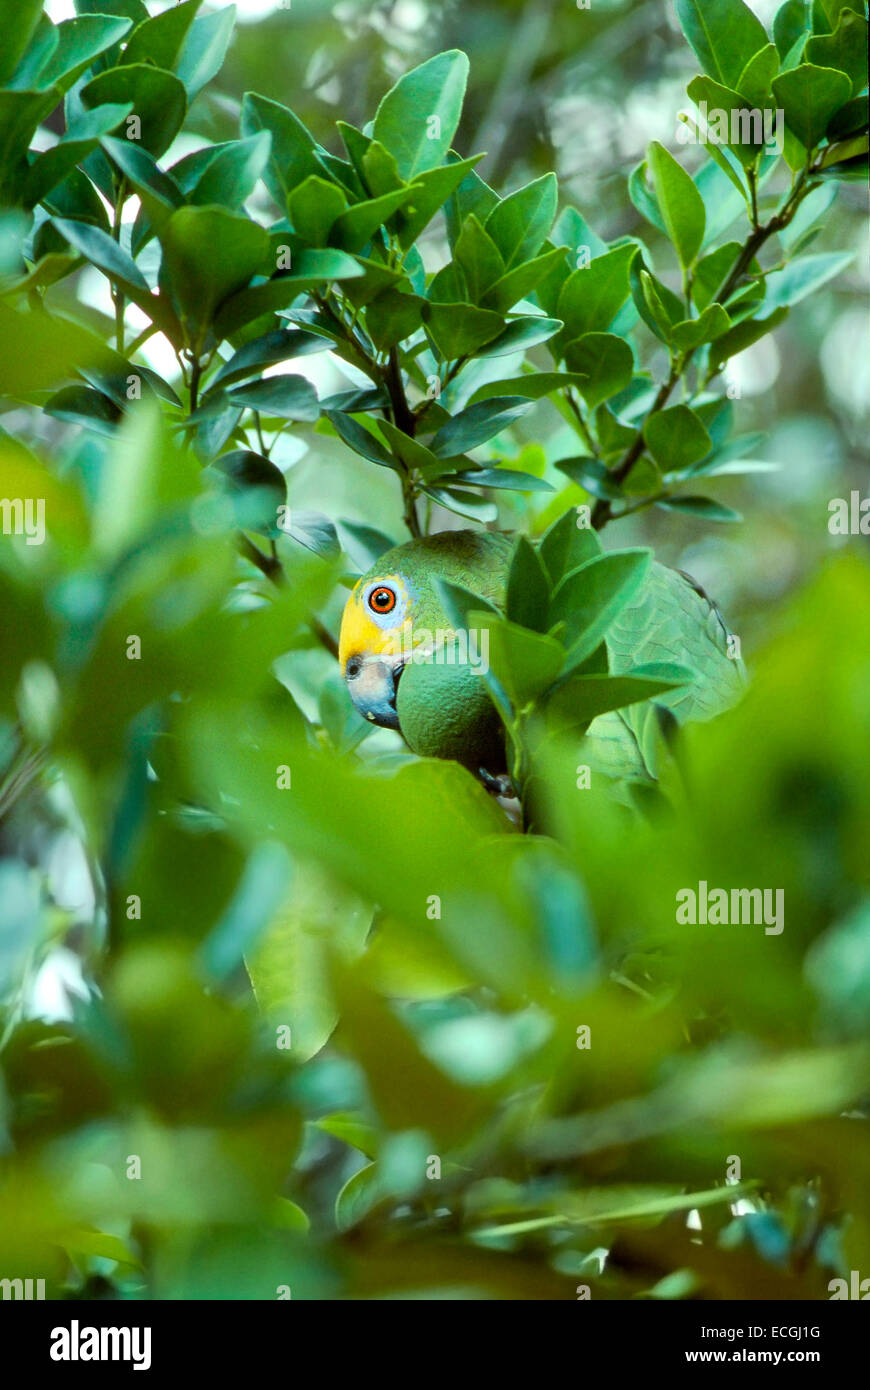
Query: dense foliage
(478, 1062)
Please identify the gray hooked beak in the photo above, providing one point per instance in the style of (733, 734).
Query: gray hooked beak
(372, 683)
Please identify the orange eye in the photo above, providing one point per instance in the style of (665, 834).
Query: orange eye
(382, 599)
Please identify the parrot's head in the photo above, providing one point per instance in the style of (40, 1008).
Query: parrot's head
(375, 633)
(396, 609)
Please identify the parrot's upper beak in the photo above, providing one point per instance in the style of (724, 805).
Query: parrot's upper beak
(372, 682)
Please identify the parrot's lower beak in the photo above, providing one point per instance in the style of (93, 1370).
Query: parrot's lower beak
(372, 683)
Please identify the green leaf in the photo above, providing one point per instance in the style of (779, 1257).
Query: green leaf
(792, 21)
(658, 306)
(566, 545)
(526, 331)
(160, 39)
(198, 283)
(588, 599)
(358, 438)
(680, 203)
(520, 224)
(476, 424)
(158, 192)
(604, 361)
(521, 281)
(52, 166)
(643, 198)
(354, 229)
(159, 100)
(676, 437)
(105, 253)
(289, 396)
(230, 177)
(525, 663)
(313, 207)
(309, 268)
(417, 119)
(724, 35)
(845, 50)
(82, 406)
(460, 330)
(393, 316)
(80, 41)
(463, 503)
(809, 97)
(578, 700)
(588, 473)
(432, 188)
(533, 386)
(293, 156)
(508, 479)
(20, 19)
(691, 333)
(712, 271)
(478, 258)
(755, 79)
(204, 49)
(351, 1130)
(528, 588)
(744, 334)
(729, 121)
(803, 276)
(280, 345)
(703, 507)
(593, 294)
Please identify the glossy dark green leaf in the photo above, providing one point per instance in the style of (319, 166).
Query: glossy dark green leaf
(293, 155)
(476, 424)
(461, 330)
(355, 227)
(20, 19)
(520, 224)
(231, 176)
(676, 437)
(159, 100)
(588, 599)
(532, 385)
(199, 284)
(314, 205)
(680, 204)
(810, 96)
(417, 119)
(588, 473)
(593, 294)
(361, 440)
(288, 396)
(203, 52)
(605, 363)
(83, 406)
(566, 545)
(80, 41)
(432, 188)
(724, 36)
(845, 50)
(704, 508)
(160, 39)
(528, 588)
(526, 331)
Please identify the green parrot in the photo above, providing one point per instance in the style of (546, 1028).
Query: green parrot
(444, 710)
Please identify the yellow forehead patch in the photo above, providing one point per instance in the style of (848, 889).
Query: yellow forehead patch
(361, 635)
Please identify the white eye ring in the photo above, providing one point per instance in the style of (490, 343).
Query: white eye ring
(391, 617)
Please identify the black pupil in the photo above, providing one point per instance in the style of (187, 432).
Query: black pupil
(382, 599)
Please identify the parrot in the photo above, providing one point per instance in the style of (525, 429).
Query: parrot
(444, 710)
